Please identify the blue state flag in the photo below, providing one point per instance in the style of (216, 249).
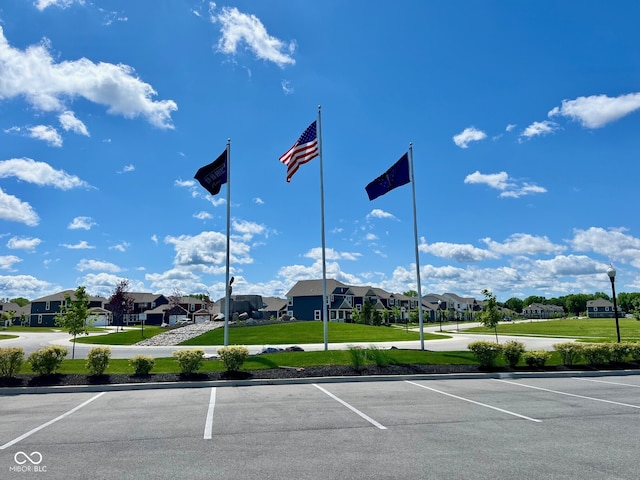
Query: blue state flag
(214, 175)
(396, 176)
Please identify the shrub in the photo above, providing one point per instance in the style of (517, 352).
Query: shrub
(634, 351)
(619, 352)
(98, 360)
(512, 351)
(378, 356)
(11, 359)
(536, 358)
(358, 357)
(486, 352)
(142, 364)
(596, 353)
(189, 360)
(233, 357)
(570, 352)
(47, 360)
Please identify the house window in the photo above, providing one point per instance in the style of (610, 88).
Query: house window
(332, 315)
(153, 304)
(359, 307)
(290, 313)
(332, 299)
(39, 319)
(290, 301)
(47, 306)
(317, 315)
(192, 307)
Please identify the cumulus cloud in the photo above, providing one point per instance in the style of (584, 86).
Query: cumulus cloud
(40, 173)
(468, 135)
(239, 29)
(7, 262)
(207, 248)
(456, 251)
(377, 213)
(35, 75)
(26, 286)
(15, 210)
(69, 122)
(509, 187)
(23, 243)
(202, 215)
(85, 264)
(331, 254)
(82, 245)
(539, 128)
(615, 244)
(81, 223)
(46, 133)
(524, 244)
(42, 4)
(246, 229)
(598, 110)
(120, 247)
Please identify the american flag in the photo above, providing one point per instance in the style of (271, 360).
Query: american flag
(304, 150)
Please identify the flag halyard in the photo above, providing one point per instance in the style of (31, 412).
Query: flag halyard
(396, 176)
(304, 150)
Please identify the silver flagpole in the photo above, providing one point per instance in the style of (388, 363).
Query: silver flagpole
(415, 234)
(227, 297)
(325, 315)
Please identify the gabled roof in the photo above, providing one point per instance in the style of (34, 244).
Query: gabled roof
(144, 297)
(599, 302)
(59, 297)
(273, 304)
(190, 300)
(313, 288)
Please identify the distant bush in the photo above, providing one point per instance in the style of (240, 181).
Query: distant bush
(597, 353)
(233, 356)
(47, 360)
(189, 360)
(98, 360)
(11, 359)
(570, 352)
(142, 364)
(378, 356)
(634, 351)
(486, 352)
(512, 351)
(536, 358)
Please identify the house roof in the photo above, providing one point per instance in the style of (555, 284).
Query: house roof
(599, 302)
(58, 297)
(273, 304)
(144, 297)
(313, 288)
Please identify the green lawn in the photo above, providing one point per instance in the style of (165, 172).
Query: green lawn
(20, 328)
(306, 332)
(588, 329)
(7, 337)
(128, 337)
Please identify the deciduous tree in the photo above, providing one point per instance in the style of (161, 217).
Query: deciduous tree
(120, 302)
(490, 316)
(73, 315)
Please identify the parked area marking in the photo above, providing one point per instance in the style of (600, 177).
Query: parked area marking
(474, 402)
(606, 382)
(353, 409)
(208, 424)
(568, 394)
(44, 425)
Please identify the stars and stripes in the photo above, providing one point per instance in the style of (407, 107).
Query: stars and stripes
(304, 150)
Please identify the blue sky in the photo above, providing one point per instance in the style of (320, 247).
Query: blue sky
(523, 116)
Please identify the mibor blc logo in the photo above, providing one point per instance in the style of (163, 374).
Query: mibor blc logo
(28, 462)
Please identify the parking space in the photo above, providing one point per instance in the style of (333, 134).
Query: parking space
(503, 427)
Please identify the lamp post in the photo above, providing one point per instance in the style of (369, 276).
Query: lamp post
(612, 276)
(440, 312)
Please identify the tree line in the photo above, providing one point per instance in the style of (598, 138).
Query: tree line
(575, 303)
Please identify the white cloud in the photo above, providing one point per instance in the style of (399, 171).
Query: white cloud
(154, 238)
(84, 223)
(247, 229)
(286, 87)
(69, 122)
(42, 4)
(181, 279)
(331, 254)
(206, 249)
(457, 251)
(85, 264)
(15, 210)
(23, 243)
(258, 201)
(468, 135)
(377, 213)
(240, 28)
(40, 173)
(371, 237)
(510, 127)
(7, 261)
(121, 247)
(539, 128)
(128, 168)
(34, 74)
(103, 283)
(508, 187)
(26, 286)
(598, 110)
(202, 215)
(524, 244)
(613, 243)
(185, 183)
(47, 134)
(82, 245)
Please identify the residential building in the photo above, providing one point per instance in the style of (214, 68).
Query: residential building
(539, 310)
(601, 308)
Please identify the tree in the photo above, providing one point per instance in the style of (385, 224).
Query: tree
(533, 299)
(74, 314)
(411, 293)
(514, 304)
(7, 317)
(396, 313)
(577, 303)
(20, 301)
(490, 316)
(120, 302)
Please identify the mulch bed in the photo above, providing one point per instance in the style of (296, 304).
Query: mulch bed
(26, 380)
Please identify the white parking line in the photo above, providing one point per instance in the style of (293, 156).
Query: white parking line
(44, 425)
(608, 383)
(353, 409)
(208, 424)
(568, 394)
(475, 403)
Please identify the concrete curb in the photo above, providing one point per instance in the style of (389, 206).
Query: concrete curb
(6, 391)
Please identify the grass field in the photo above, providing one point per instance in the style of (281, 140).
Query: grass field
(587, 329)
(128, 337)
(7, 337)
(306, 332)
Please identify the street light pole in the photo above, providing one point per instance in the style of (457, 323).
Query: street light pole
(440, 312)
(612, 276)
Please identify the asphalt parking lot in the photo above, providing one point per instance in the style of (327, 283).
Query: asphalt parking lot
(529, 428)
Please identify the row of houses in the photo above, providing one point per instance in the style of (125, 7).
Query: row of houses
(303, 302)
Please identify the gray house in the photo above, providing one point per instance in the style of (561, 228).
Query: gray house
(601, 308)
